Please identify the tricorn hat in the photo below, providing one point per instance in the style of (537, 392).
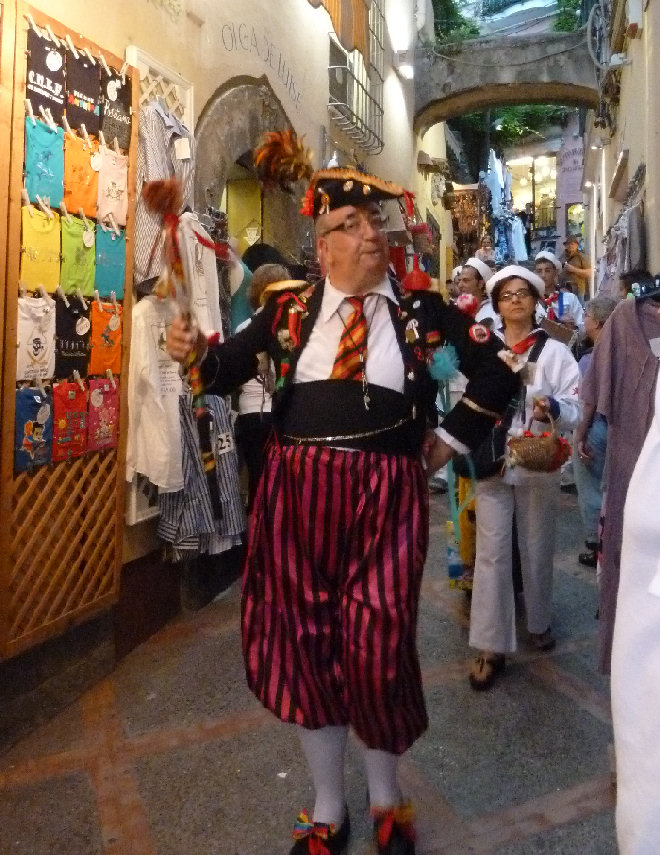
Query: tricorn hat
(333, 188)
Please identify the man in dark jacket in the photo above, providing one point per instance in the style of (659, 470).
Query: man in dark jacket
(340, 521)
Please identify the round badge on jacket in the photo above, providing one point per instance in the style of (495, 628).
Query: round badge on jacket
(479, 333)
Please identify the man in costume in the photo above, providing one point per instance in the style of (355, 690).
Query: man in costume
(339, 532)
(561, 306)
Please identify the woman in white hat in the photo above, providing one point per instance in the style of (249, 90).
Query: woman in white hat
(550, 378)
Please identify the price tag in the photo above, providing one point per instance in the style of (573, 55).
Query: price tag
(114, 322)
(88, 238)
(82, 326)
(95, 161)
(224, 443)
(182, 148)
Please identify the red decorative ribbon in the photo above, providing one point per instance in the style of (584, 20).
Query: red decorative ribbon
(221, 250)
(524, 345)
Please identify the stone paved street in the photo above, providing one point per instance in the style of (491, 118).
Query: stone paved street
(171, 755)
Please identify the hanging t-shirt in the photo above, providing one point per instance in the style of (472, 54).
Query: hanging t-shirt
(44, 162)
(78, 256)
(106, 338)
(81, 175)
(116, 108)
(110, 262)
(33, 429)
(72, 335)
(83, 91)
(40, 249)
(44, 85)
(35, 338)
(113, 186)
(69, 421)
(103, 414)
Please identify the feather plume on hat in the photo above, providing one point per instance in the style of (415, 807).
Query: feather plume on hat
(283, 160)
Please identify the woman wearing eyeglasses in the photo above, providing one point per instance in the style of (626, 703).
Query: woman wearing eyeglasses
(550, 379)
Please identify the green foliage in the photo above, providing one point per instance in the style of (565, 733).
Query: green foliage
(450, 25)
(568, 16)
(512, 125)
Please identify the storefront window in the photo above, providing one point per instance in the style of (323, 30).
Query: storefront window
(575, 219)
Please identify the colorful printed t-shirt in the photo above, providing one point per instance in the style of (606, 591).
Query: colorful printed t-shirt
(106, 339)
(113, 186)
(33, 431)
(103, 414)
(40, 249)
(72, 334)
(116, 108)
(44, 85)
(78, 256)
(81, 176)
(69, 421)
(44, 162)
(35, 347)
(83, 91)
(110, 262)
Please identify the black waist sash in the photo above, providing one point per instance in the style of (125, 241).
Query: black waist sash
(332, 412)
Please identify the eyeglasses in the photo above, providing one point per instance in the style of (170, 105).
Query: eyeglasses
(355, 223)
(506, 296)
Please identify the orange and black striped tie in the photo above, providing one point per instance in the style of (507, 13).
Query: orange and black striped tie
(348, 365)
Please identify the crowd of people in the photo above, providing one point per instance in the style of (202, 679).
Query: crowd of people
(338, 425)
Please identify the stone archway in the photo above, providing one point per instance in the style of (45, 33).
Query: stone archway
(232, 123)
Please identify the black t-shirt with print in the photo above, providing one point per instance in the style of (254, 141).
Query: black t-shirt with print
(83, 91)
(116, 108)
(72, 332)
(45, 85)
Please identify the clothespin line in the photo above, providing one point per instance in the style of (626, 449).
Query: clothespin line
(79, 295)
(44, 116)
(67, 128)
(110, 376)
(84, 218)
(105, 65)
(113, 298)
(44, 207)
(115, 145)
(39, 383)
(67, 216)
(98, 300)
(25, 199)
(88, 54)
(60, 293)
(102, 140)
(70, 45)
(21, 288)
(51, 120)
(122, 70)
(83, 131)
(30, 111)
(52, 36)
(42, 291)
(77, 379)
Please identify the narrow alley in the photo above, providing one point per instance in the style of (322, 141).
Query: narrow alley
(171, 755)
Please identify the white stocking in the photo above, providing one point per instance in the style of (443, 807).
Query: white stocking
(383, 786)
(324, 749)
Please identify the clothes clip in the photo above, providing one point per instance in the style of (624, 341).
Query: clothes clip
(44, 293)
(52, 36)
(21, 289)
(113, 298)
(47, 119)
(62, 296)
(25, 199)
(115, 145)
(83, 131)
(78, 379)
(84, 218)
(98, 301)
(102, 140)
(113, 224)
(70, 45)
(106, 68)
(110, 376)
(39, 383)
(32, 24)
(79, 295)
(67, 216)
(30, 111)
(44, 207)
(67, 128)
(122, 70)
(88, 54)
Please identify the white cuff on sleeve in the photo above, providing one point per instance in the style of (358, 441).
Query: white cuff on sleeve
(452, 441)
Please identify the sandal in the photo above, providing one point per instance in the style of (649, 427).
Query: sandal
(484, 668)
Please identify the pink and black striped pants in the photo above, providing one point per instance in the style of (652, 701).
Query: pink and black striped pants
(331, 591)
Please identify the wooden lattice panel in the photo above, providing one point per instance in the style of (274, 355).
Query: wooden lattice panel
(155, 87)
(63, 555)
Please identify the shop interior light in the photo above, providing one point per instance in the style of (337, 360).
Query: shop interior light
(523, 182)
(588, 184)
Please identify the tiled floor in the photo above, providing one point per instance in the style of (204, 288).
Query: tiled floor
(172, 756)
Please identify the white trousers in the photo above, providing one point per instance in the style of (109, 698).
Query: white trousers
(493, 614)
